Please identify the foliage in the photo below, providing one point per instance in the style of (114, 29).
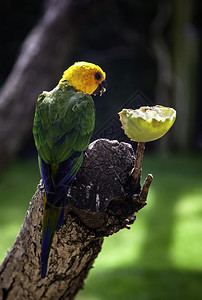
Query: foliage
(159, 258)
(17, 187)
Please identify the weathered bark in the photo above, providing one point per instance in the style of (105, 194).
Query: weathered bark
(42, 60)
(102, 200)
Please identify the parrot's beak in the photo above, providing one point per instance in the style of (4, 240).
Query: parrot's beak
(102, 87)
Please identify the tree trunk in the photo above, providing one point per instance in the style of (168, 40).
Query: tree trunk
(184, 57)
(101, 201)
(41, 62)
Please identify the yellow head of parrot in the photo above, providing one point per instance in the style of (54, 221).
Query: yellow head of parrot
(86, 78)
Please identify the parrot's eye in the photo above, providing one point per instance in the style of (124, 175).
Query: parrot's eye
(98, 76)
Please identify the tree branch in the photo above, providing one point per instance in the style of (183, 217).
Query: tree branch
(101, 201)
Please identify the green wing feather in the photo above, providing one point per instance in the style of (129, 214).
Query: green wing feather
(56, 116)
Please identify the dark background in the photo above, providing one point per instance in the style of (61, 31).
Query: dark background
(125, 39)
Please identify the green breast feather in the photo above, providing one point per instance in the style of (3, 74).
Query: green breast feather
(64, 122)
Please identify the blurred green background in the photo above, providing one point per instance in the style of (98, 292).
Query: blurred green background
(158, 258)
(153, 47)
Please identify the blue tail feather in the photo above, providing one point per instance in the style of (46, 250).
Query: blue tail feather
(61, 217)
(52, 216)
(45, 249)
(55, 184)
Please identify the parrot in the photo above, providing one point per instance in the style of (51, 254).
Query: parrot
(63, 124)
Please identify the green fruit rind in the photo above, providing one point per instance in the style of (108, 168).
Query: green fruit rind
(148, 123)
